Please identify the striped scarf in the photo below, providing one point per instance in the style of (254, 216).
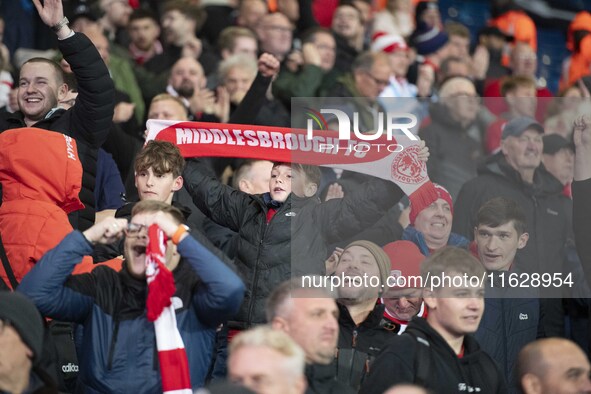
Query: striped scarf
(174, 366)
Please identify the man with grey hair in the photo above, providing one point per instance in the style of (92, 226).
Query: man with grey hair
(236, 74)
(454, 135)
(309, 317)
(267, 361)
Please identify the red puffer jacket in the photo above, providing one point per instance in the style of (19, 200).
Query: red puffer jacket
(41, 177)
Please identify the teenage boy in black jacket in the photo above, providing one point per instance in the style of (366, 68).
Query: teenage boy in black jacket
(438, 352)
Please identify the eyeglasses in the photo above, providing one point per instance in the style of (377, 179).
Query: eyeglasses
(134, 229)
(377, 81)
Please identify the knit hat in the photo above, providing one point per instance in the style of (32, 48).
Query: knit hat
(427, 39)
(405, 258)
(423, 6)
(441, 193)
(517, 126)
(380, 256)
(24, 317)
(387, 43)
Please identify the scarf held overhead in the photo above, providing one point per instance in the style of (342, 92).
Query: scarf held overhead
(394, 159)
(174, 366)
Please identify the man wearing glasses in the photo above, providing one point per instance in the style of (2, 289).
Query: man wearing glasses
(117, 349)
(359, 90)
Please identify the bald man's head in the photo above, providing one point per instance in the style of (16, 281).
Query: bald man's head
(553, 366)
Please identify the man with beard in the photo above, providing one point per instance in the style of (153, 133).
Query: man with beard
(187, 81)
(144, 31)
(117, 348)
(309, 316)
(361, 333)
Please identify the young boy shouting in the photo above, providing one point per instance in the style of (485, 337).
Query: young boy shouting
(286, 231)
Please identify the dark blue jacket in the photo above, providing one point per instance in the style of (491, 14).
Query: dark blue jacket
(415, 236)
(118, 352)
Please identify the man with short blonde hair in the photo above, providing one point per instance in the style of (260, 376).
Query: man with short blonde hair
(267, 361)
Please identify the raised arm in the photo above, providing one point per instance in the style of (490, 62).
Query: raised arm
(219, 294)
(49, 284)
(221, 203)
(581, 189)
(89, 119)
(254, 99)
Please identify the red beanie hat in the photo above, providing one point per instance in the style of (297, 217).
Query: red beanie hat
(405, 258)
(441, 193)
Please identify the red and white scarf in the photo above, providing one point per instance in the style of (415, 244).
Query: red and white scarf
(401, 166)
(174, 366)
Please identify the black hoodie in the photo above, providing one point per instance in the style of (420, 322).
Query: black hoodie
(474, 372)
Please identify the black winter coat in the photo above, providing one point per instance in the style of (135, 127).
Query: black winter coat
(88, 122)
(447, 373)
(360, 344)
(322, 380)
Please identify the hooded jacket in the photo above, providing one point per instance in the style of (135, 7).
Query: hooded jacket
(294, 242)
(88, 121)
(37, 194)
(118, 341)
(448, 373)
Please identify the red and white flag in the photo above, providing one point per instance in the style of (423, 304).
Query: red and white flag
(394, 159)
(174, 366)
